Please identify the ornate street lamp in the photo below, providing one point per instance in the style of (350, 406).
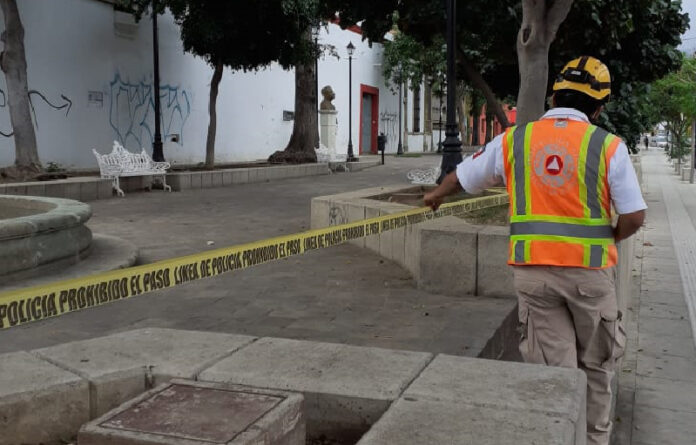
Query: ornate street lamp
(452, 147)
(351, 50)
(157, 152)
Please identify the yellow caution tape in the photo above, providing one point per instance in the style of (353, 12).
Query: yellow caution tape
(23, 306)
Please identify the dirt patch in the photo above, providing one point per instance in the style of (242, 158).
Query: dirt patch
(197, 168)
(496, 216)
(491, 216)
(323, 440)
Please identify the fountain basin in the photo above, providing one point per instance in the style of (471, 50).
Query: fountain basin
(35, 231)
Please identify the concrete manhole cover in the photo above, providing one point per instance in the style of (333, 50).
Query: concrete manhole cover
(196, 413)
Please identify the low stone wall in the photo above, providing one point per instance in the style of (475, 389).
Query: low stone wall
(90, 188)
(395, 396)
(225, 177)
(430, 250)
(83, 189)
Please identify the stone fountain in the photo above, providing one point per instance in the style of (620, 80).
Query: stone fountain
(46, 239)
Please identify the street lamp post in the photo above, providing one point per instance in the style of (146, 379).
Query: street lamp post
(400, 147)
(351, 49)
(157, 152)
(439, 128)
(452, 151)
(315, 34)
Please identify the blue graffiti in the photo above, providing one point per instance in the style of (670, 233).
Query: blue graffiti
(132, 109)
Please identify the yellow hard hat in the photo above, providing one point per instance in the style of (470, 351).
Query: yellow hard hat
(586, 75)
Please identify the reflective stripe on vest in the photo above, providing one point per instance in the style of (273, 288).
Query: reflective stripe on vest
(592, 232)
(561, 229)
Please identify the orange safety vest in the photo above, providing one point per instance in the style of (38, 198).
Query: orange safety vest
(560, 207)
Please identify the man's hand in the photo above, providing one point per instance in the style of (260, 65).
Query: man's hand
(432, 200)
(449, 185)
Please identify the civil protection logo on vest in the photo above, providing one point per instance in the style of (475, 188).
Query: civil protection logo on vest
(554, 166)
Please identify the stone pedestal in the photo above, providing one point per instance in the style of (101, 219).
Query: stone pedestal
(190, 413)
(328, 126)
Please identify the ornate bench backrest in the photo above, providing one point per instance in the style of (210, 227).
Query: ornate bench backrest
(121, 161)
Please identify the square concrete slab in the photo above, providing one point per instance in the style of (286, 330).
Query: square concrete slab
(557, 393)
(663, 426)
(39, 402)
(419, 422)
(666, 394)
(346, 388)
(190, 413)
(120, 366)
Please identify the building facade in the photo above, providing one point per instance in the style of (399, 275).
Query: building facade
(90, 77)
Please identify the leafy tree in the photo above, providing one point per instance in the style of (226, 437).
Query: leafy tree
(14, 64)
(249, 35)
(408, 60)
(672, 100)
(637, 40)
(424, 22)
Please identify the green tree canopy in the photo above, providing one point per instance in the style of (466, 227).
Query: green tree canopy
(637, 39)
(244, 35)
(407, 59)
(672, 100)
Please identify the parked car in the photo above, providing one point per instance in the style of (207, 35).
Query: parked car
(661, 141)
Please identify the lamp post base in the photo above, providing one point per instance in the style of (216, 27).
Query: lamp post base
(451, 154)
(157, 151)
(351, 157)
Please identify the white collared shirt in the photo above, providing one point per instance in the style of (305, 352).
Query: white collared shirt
(486, 168)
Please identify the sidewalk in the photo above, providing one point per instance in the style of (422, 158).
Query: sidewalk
(344, 294)
(657, 382)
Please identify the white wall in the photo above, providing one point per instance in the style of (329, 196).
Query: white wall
(72, 49)
(367, 70)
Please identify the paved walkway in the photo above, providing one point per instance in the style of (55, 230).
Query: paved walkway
(657, 395)
(344, 294)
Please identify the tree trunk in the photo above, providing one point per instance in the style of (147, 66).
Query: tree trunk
(305, 138)
(14, 64)
(475, 129)
(478, 82)
(540, 22)
(212, 124)
(489, 126)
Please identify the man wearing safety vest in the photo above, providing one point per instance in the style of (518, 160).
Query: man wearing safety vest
(563, 175)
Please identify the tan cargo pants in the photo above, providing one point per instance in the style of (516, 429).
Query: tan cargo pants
(569, 317)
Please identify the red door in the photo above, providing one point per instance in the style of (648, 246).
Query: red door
(369, 115)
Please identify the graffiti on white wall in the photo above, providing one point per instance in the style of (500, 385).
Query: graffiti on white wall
(132, 110)
(36, 96)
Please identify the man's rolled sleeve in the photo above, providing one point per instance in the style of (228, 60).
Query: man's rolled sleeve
(483, 169)
(623, 183)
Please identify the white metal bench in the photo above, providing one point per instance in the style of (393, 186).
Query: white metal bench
(121, 162)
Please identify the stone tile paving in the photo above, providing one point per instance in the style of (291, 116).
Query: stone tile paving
(657, 394)
(344, 294)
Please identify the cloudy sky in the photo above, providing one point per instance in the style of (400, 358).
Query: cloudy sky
(689, 37)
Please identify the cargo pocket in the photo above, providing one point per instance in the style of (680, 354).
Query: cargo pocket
(529, 346)
(612, 338)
